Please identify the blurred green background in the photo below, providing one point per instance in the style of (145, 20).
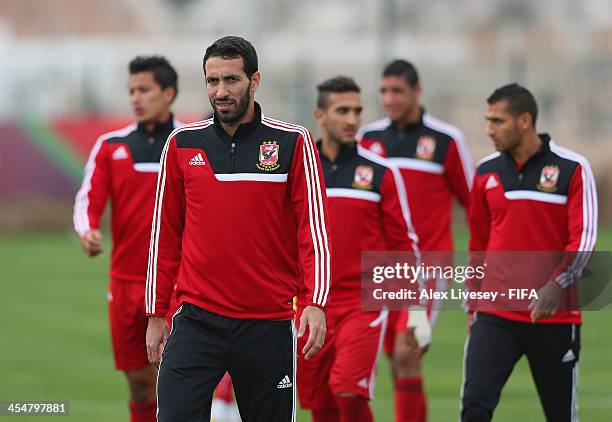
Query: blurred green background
(56, 345)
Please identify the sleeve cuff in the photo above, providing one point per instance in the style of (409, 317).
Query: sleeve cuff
(317, 306)
(557, 283)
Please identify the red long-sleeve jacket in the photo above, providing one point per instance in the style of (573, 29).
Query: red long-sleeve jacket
(368, 211)
(240, 222)
(435, 163)
(549, 204)
(123, 166)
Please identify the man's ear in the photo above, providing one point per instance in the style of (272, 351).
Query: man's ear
(255, 79)
(319, 115)
(169, 94)
(418, 90)
(525, 121)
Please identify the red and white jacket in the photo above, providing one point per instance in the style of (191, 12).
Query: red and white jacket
(435, 163)
(368, 212)
(123, 166)
(548, 204)
(240, 222)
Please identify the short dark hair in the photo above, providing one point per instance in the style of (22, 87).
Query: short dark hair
(232, 47)
(338, 84)
(519, 100)
(163, 72)
(402, 68)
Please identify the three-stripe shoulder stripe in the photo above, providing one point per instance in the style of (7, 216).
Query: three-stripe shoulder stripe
(151, 284)
(367, 154)
(81, 202)
(589, 216)
(488, 157)
(380, 124)
(191, 126)
(401, 191)
(316, 213)
(462, 147)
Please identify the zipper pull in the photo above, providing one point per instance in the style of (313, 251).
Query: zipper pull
(233, 148)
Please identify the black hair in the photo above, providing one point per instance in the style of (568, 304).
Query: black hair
(404, 69)
(518, 98)
(163, 72)
(232, 47)
(338, 84)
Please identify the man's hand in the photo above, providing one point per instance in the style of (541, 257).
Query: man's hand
(314, 319)
(547, 302)
(411, 345)
(92, 242)
(419, 330)
(157, 335)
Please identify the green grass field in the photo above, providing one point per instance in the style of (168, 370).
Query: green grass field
(55, 343)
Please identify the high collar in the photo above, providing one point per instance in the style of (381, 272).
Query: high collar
(346, 151)
(545, 138)
(161, 128)
(244, 128)
(411, 126)
(544, 148)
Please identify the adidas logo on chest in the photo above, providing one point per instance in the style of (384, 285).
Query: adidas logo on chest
(120, 153)
(491, 183)
(197, 160)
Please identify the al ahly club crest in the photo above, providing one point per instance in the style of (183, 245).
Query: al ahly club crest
(426, 146)
(363, 177)
(268, 156)
(549, 178)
